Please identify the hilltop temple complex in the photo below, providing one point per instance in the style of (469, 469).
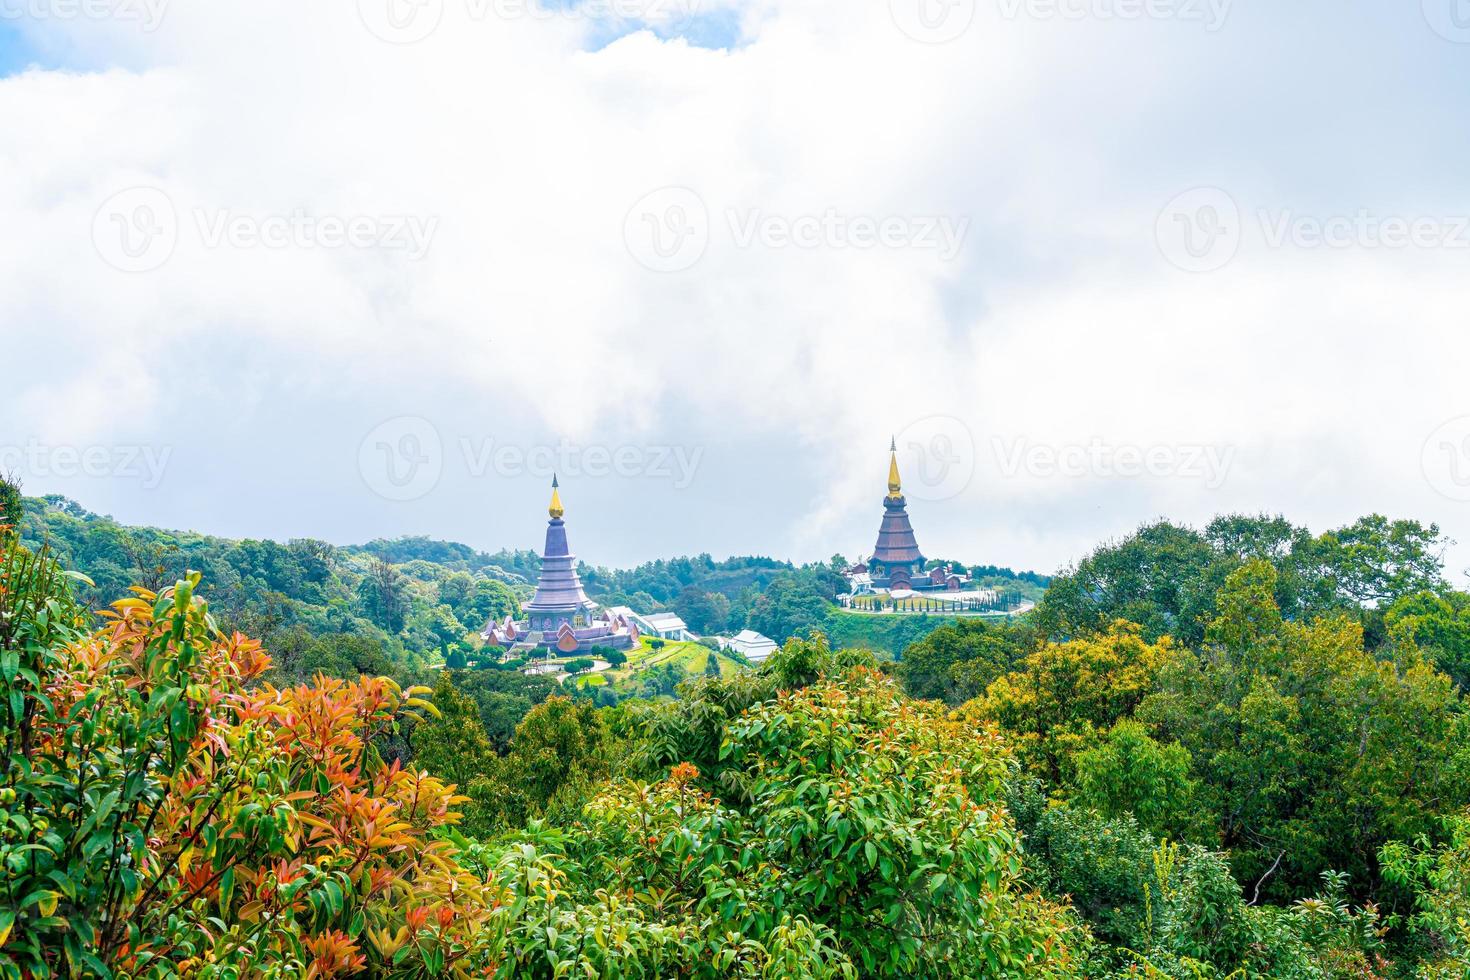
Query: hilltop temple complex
(560, 618)
(561, 621)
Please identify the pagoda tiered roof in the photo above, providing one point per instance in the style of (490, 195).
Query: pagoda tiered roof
(559, 587)
(896, 542)
(560, 617)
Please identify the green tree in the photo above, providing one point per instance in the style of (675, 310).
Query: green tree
(561, 751)
(442, 626)
(11, 504)
(1174, 910)
(1438, 878)
(455, 591)
(703, 611)
(452, 743)
(958, 661)
(152, 557)
(789, 606)
(504, 697)
(339, 655)
(1378, 561)
(1165, 576)
(1312, 752)
(870, 815)
(1158, 578)
(492, 599)
(1438, 624)
(383, 596)
(1246, 608)
(1059, 698)
(1128, 772)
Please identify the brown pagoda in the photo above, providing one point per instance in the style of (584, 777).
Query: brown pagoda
(897, 562)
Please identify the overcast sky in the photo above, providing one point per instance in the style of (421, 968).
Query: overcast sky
(358, 269)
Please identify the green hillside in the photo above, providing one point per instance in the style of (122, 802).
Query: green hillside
(1232, 753)
(657, 672)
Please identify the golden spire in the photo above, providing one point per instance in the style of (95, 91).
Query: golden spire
(895, 486)
(555, 509)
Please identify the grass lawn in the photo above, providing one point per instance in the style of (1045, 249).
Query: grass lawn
(691, 658)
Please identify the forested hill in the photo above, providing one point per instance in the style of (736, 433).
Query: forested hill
(419, 599)
(1235, 752)
(413, 600)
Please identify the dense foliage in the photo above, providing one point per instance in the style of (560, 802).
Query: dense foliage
(1165, 577)
(168, 811)
(1277, 787)
(396, 606)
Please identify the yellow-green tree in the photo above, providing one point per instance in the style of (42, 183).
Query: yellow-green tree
(1313, 752)
(1058, 698)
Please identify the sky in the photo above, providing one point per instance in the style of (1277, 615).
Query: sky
(365, 268)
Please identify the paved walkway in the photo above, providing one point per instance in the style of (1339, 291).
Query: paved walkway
(1024, 607)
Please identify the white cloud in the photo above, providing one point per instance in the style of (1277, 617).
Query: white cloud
(1059, 322)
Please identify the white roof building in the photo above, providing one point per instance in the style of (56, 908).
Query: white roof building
(663, 625)
(752, 645)
(666, 625)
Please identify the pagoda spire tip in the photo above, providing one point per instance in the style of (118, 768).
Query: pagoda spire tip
(555, 510)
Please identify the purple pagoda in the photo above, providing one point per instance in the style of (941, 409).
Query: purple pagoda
(560, 617)
(559, 597)
(897, 562)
